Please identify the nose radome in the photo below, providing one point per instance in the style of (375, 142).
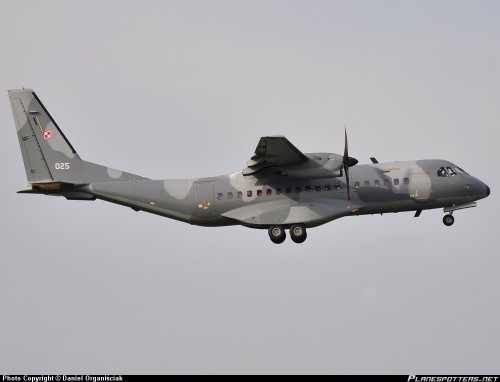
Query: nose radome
(487, 191)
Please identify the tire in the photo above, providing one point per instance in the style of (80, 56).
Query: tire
(298, 233)
(277, 234)
(448, 220)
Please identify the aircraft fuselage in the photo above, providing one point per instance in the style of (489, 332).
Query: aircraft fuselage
(238, 199)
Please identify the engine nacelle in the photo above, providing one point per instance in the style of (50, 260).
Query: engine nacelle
(319, 165)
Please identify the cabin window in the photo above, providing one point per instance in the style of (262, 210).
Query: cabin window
(396, 181)
(308, 188)
(220, 196)
(249, 194)
(367, 183)
(239, 195)
(229, 195)
(317, 188)
(259, 192)
(376, 183)
(288, 190)
(269, 192)
(278, 191)
(337, 186)
(356, 184)
(328, 187)
(298, 189)
(387, 183)
(406, 181)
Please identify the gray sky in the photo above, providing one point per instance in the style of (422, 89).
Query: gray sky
(178, 89)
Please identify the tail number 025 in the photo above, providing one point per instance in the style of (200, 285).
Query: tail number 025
(62, 166)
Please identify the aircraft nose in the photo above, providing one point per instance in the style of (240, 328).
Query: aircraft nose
(487, 191)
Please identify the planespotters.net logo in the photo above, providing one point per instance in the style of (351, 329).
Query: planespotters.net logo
(469, 378)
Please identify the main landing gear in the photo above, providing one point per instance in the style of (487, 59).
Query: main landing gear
(277, 233)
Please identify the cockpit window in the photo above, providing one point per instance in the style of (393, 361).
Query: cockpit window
(450, 171)
(442, 172)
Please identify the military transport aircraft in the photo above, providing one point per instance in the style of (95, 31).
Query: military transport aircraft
(281, 188)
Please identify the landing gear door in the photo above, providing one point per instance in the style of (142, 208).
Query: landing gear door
(420, 187)
(205, 201)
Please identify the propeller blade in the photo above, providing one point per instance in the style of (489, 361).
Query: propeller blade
(348, 162)
(346, 169)
(346, 149)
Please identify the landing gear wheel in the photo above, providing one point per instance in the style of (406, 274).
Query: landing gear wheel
(298, 233)
(448, 220)
(277, 234)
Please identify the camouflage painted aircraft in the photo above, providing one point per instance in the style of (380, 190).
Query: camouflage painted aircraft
(281, 188)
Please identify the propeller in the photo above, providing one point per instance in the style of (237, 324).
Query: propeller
(348, 162)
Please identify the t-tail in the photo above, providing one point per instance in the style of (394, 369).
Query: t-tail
(52, 164)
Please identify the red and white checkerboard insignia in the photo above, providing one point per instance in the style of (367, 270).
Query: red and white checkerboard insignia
(47, 134)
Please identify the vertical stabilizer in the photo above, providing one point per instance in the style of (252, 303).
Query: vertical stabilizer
(48, 155)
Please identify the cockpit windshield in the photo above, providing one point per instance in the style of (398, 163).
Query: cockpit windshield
(447, 171)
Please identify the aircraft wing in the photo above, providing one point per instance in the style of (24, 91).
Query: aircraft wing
(276, 155)
(275, 151)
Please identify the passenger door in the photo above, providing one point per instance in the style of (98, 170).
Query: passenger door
(205, 200)
(420, 186)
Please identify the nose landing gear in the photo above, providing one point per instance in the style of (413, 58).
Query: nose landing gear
(448, 220)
